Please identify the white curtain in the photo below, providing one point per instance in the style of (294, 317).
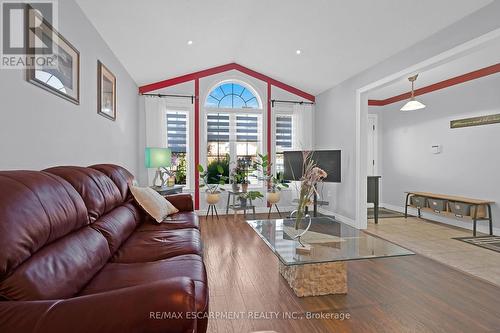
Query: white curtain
(303, 126)
(155, 122)
(155, 126)
(302, 132)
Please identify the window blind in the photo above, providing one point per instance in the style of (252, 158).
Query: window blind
(177, 132)
(247, 128)
(283, 132)
(217, 127)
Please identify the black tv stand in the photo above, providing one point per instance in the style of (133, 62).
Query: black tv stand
(315, 205)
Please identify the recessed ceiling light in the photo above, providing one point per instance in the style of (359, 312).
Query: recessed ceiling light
(298, 52)
(190, 42)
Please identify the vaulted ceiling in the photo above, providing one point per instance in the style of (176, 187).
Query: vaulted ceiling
(337, 38)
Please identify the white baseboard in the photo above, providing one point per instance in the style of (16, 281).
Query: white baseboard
(482, 226)
(339, 217)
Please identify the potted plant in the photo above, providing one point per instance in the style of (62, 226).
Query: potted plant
(237, 177)
(244, 185)
(274, 183)
(311, 176)
(250, 195)
(180, 174)
(212, 184)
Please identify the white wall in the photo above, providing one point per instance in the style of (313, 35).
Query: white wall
(39, 129)
(336, 109)
(468, 164)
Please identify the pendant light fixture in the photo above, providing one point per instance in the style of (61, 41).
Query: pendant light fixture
(412, 104)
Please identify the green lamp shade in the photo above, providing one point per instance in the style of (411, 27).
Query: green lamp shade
(158, 157)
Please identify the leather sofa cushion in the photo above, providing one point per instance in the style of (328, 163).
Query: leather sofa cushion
(117, 225)
(114, 276)
(36, 208)
(98, 191)
(157, 245)
(181, 201)
(60, 269)
(179, 220)
(120, 176)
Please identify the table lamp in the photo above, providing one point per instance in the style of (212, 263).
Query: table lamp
(158, 158)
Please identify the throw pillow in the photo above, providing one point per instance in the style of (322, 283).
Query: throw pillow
(153, 203)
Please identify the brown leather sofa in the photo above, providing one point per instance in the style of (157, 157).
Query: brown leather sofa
(78, 255)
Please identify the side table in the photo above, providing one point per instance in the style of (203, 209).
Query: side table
(168, 190)
(237, 207)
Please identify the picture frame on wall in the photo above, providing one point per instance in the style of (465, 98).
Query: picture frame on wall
(106, 92)
(60, 73)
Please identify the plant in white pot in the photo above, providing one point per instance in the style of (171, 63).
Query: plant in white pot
(274, 182)
(212, 184)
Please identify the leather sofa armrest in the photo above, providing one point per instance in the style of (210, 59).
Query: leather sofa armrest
(183, 202)
(163, 306)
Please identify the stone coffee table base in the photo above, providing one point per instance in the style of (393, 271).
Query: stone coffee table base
(316, 279)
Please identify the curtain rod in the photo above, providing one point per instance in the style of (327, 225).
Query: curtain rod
(192, 99)
(289, 102)
(176, 96)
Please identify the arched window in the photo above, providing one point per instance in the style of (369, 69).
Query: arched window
(232, 96)
(234, 127)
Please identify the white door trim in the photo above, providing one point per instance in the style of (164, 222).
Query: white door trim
(376, 162)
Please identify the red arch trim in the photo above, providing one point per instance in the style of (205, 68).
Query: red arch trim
(220, 69)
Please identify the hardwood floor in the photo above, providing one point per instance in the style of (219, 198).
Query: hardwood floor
(402, 294)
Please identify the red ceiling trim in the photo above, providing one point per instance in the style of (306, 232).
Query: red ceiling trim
(184, 78)
(376, 102)
(220, 69)
(275, 83)
(438, 86)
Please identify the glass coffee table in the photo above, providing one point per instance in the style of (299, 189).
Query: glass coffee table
(322, 271)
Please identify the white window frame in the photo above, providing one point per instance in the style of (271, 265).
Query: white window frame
(205, 110)
(189, 151)
(281, 110)
(184, 106)
(232, 135)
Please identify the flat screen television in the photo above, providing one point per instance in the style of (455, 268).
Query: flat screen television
(328, 160)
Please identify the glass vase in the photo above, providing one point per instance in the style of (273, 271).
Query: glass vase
(301, 218)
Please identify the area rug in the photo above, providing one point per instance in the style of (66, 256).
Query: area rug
(383, 213)
(487, 242)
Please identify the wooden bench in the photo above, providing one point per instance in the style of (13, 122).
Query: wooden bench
(480, 209)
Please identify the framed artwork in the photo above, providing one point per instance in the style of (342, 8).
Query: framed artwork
(106, 92)
(475, 121)
(61, 76)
